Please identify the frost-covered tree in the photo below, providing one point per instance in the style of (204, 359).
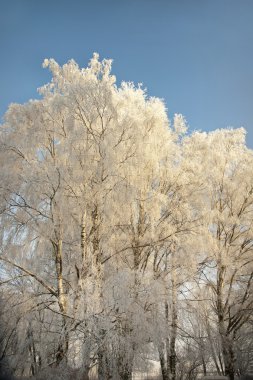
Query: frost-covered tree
(225, 164)
(110, 216)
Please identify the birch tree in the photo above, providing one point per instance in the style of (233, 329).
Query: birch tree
(226, 164)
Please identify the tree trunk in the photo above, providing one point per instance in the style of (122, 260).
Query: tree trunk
(203, 364)
(32, 351)
(172, 361)
(64, 339)
(228, 357)
(81, 271)
(104, 369)
(226, 342)
(218, 369)
(125, 366)
(164, 369)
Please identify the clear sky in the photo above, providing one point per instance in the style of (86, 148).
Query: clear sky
(195, 54)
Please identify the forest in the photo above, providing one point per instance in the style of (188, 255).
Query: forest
(126, 239)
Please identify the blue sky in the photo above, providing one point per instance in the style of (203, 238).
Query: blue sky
(195, 54)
